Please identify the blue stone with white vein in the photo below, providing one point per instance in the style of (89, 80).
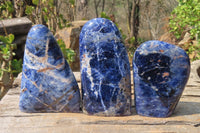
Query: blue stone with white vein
(161, 71)
(105, 70)
(48, 84)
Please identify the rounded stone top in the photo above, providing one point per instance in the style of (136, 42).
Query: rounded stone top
(154, 46)
(38, 38)
(39, 31)
(99, 28)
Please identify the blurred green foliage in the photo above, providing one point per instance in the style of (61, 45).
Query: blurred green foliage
(6, 53)
(186, 16)
(68, 53)
(6, 9)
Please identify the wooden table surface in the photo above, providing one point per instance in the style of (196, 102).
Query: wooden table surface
(186, 118)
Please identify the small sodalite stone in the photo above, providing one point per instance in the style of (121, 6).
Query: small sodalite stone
(48, 84)
(161, 71)
(105, 70)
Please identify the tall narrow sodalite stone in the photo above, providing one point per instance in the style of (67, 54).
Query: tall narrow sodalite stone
(161, 71)
(105, 70)
(48, 84)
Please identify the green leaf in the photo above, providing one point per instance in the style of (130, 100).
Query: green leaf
(51, 3)
(7, 39)
(29, 10)
(4, 39)
(16, 66)
(35, 2)
(45, 9)
(68, 53)
(11, 38)
(72, 2)
(3, 70)
(104, 15)
(9, 6)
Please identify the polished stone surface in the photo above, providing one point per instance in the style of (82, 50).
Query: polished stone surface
(48, 84)
(161, 71)
(105, 70)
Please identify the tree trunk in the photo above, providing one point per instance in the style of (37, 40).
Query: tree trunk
(129, 5)
(111, 10)
(103, 6)
(96, 5)
(81, 9)
(135, 20)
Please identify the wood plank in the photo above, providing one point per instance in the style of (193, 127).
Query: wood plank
(185, 119)
(16, 26)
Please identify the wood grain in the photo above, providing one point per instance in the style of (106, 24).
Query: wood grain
(186, 118)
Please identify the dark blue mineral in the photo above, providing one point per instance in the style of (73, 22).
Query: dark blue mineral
(161, 71)
(48, 84)
(105, 70)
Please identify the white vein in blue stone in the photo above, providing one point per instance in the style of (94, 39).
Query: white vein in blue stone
(170, 67)
(40, 66)
(96, 34)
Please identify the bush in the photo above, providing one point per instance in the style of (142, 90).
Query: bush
(68, 53)
(6, 58)
(186, 17)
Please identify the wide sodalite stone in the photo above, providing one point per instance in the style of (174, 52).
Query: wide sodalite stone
(48, 84)
(105, 70)
(161, 71)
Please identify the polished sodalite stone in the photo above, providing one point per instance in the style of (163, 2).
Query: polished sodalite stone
(48, 84)
(161, 71)
(105, 70)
